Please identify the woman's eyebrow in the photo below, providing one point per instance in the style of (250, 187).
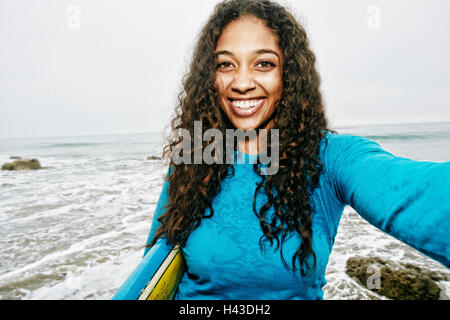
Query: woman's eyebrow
(256, 52)
(262, 51)
(224, 52)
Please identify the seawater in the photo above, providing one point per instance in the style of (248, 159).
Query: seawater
(75, 230)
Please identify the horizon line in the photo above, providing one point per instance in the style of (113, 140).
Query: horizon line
(332, 126)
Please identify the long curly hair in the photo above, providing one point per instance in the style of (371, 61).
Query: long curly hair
(301, 124)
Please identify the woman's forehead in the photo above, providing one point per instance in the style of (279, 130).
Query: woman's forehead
(246, 35)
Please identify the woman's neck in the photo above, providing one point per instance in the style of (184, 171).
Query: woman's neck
(252, 146)
(249, 146)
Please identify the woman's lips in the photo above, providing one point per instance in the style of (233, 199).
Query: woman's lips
(246, 107)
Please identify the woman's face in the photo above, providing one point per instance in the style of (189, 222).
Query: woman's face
(249, 73)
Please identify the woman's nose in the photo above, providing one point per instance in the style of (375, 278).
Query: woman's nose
(243, 81)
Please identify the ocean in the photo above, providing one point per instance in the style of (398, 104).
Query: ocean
(76, 229)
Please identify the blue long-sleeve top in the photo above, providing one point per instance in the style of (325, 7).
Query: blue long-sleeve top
(407, 199)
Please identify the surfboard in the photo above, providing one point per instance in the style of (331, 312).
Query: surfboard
(156, 277)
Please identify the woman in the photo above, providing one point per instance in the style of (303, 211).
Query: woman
(246, 235)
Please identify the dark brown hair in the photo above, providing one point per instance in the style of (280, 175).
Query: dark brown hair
(302, 124)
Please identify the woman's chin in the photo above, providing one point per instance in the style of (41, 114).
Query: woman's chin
(245, 126)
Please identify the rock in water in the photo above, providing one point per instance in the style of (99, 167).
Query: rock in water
(17, 165)
(153, 158)
(393, 280)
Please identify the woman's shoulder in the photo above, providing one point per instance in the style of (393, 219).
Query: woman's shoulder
(335, 147)
(339, 140)
(335, 142)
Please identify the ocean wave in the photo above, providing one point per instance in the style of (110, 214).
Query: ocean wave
(74, 145)
(399, 137)
(408, 136)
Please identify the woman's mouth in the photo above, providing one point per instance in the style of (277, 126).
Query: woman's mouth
(246, 107)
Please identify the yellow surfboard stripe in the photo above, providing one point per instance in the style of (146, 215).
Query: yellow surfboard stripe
(164, 282)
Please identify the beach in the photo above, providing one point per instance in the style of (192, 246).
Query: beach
(76, 228)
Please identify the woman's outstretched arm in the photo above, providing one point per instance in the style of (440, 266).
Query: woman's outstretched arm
(407, 199)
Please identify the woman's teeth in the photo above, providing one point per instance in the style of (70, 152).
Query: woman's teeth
(246, 104)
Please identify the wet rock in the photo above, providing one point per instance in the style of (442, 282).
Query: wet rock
(153, 158)
(396, 281)
(20, 164)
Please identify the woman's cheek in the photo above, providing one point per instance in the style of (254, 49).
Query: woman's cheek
(272, 84)
(222, 80)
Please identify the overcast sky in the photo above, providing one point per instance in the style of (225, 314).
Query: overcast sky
(114, 66)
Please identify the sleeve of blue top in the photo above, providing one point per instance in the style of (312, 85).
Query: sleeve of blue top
(408, 199)
(159, 211)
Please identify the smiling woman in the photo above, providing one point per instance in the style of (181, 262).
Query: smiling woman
(246, 235)
(252, 61)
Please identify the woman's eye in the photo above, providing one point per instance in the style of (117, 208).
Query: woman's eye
(224, 65)
(266, 65)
